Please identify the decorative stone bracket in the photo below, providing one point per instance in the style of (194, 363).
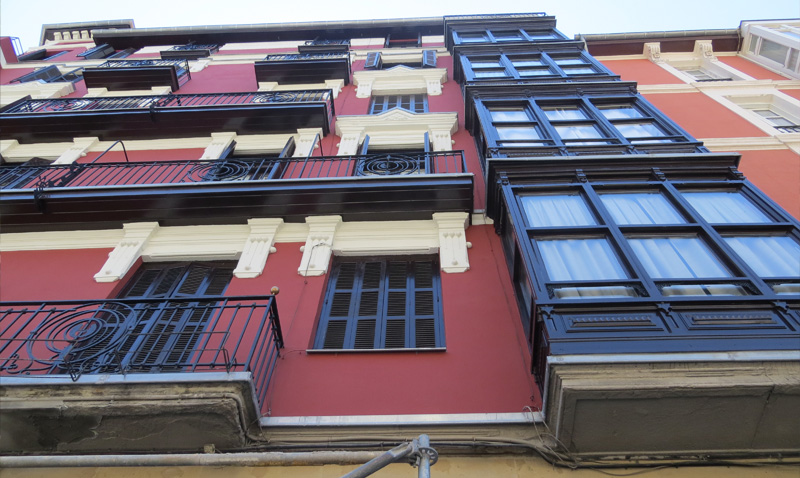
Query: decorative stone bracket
(257, 248)
(453, 243)
(653, 52)
(306, 140)
(219, 142)
(78, 149)
(317, 250)
(127, 251)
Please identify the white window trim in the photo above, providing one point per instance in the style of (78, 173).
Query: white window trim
(735, 96)
(399, 80)
(37, 91)
(768, 31)
(702, 57)
(396, 127)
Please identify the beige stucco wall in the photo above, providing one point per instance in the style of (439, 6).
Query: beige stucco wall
(462, 467)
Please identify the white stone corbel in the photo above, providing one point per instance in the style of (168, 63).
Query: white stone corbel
(127, 251)
(704, 49)
(219, 142)
(95, 92)
(257, 248)
(198, 65)
(7, 145)
(364, 89)
(335, 86)
(452, 240)
(434, 86)
(348, 144)
(319, 244)
(441, 140)
(78, 149)
(653, 52)
(267, 85)
(306, 139)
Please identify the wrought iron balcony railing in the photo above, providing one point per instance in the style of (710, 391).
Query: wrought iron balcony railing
(307, 56)
(327, 42)
(154, 102)
(179, 64)
(193, 46)
(196, 171)
(186, 335)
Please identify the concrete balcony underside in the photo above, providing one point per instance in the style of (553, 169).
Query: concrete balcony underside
(116, 412)
(727, 404)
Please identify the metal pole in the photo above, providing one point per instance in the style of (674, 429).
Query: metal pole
(424, 458)
(382, 461)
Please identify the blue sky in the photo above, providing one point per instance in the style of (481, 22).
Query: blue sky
(24, 18)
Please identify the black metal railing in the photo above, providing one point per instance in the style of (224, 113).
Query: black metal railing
(260, 169)
(307, 56)
(326, 42)
(178, 64)
(154, 102)
(186, 335)
(193, 46)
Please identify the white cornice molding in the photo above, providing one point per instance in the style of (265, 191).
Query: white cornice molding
(667, 88)
(743, 144)
(252, 243)
(78, 150)
(154, 90)
(399, 80)
(396, 127)
(37, 91)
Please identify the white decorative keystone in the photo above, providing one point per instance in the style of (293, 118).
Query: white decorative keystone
(127, 251)
(257, 247)
(452, 240)
(317, 251)
(78, 149)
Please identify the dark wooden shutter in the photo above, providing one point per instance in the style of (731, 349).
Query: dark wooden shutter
(429, 58)
(374, 61)
(382, 303)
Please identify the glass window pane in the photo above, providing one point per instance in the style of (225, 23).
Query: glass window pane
(768, 256)
(721, 207)
(488, 63)
(564, 113)
(773, 51)
(509, 114)
(593, 292)
(539, 35)
(638, 130)
(527, 62)
(490, 73)
(578, 132)
(677, 258)
(535, 72)
(472, 37)
(579, 71)
(641, 208)
(506, 35)
(580, 259)
(613, 112)
(557, 210)
(569, 61)
(517, 132)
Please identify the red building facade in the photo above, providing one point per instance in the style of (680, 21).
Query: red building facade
(454, 226)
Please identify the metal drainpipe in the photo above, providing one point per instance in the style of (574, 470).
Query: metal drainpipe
(227, 459)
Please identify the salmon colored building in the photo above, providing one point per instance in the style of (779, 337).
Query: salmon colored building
(283, 249)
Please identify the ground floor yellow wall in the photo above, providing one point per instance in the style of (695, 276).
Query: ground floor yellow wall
(462, 467)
